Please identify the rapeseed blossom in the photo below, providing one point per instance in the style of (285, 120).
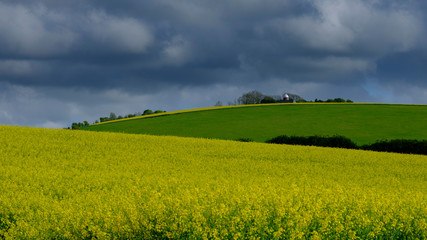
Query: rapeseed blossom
(76, 184)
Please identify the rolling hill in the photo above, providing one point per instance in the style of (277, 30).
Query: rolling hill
(363, 123)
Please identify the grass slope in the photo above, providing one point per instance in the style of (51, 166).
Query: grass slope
(363, 123)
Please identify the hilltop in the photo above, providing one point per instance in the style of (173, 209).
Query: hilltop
(363, 123)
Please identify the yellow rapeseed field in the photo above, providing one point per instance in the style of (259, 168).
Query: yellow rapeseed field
(75, 185)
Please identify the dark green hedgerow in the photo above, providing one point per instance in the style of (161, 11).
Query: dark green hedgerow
(245, 140)
(322, 141)
(399, 146)
(396, 145)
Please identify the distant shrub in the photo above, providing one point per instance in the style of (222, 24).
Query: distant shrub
(76, 126)
(244, 140)
(268, 99)
(338, 100)
(334, 141)
(399, 146)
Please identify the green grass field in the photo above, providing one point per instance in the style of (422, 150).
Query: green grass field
(363, 123)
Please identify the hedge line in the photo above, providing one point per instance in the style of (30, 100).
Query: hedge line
(396, 145)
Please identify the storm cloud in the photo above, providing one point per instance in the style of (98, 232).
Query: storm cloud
(64, 61)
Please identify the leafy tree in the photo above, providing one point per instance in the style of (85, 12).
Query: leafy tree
(159, 111)
(78, 125)
(147, 111)
(86, 123)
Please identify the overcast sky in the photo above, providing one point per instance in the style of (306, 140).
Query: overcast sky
(63, 61)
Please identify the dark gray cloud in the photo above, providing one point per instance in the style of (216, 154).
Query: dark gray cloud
(171, 54)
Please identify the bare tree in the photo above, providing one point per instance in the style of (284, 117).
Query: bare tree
(230, 103)
(218, 104)
(253, 97)
(113, 116)
(277, 97)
